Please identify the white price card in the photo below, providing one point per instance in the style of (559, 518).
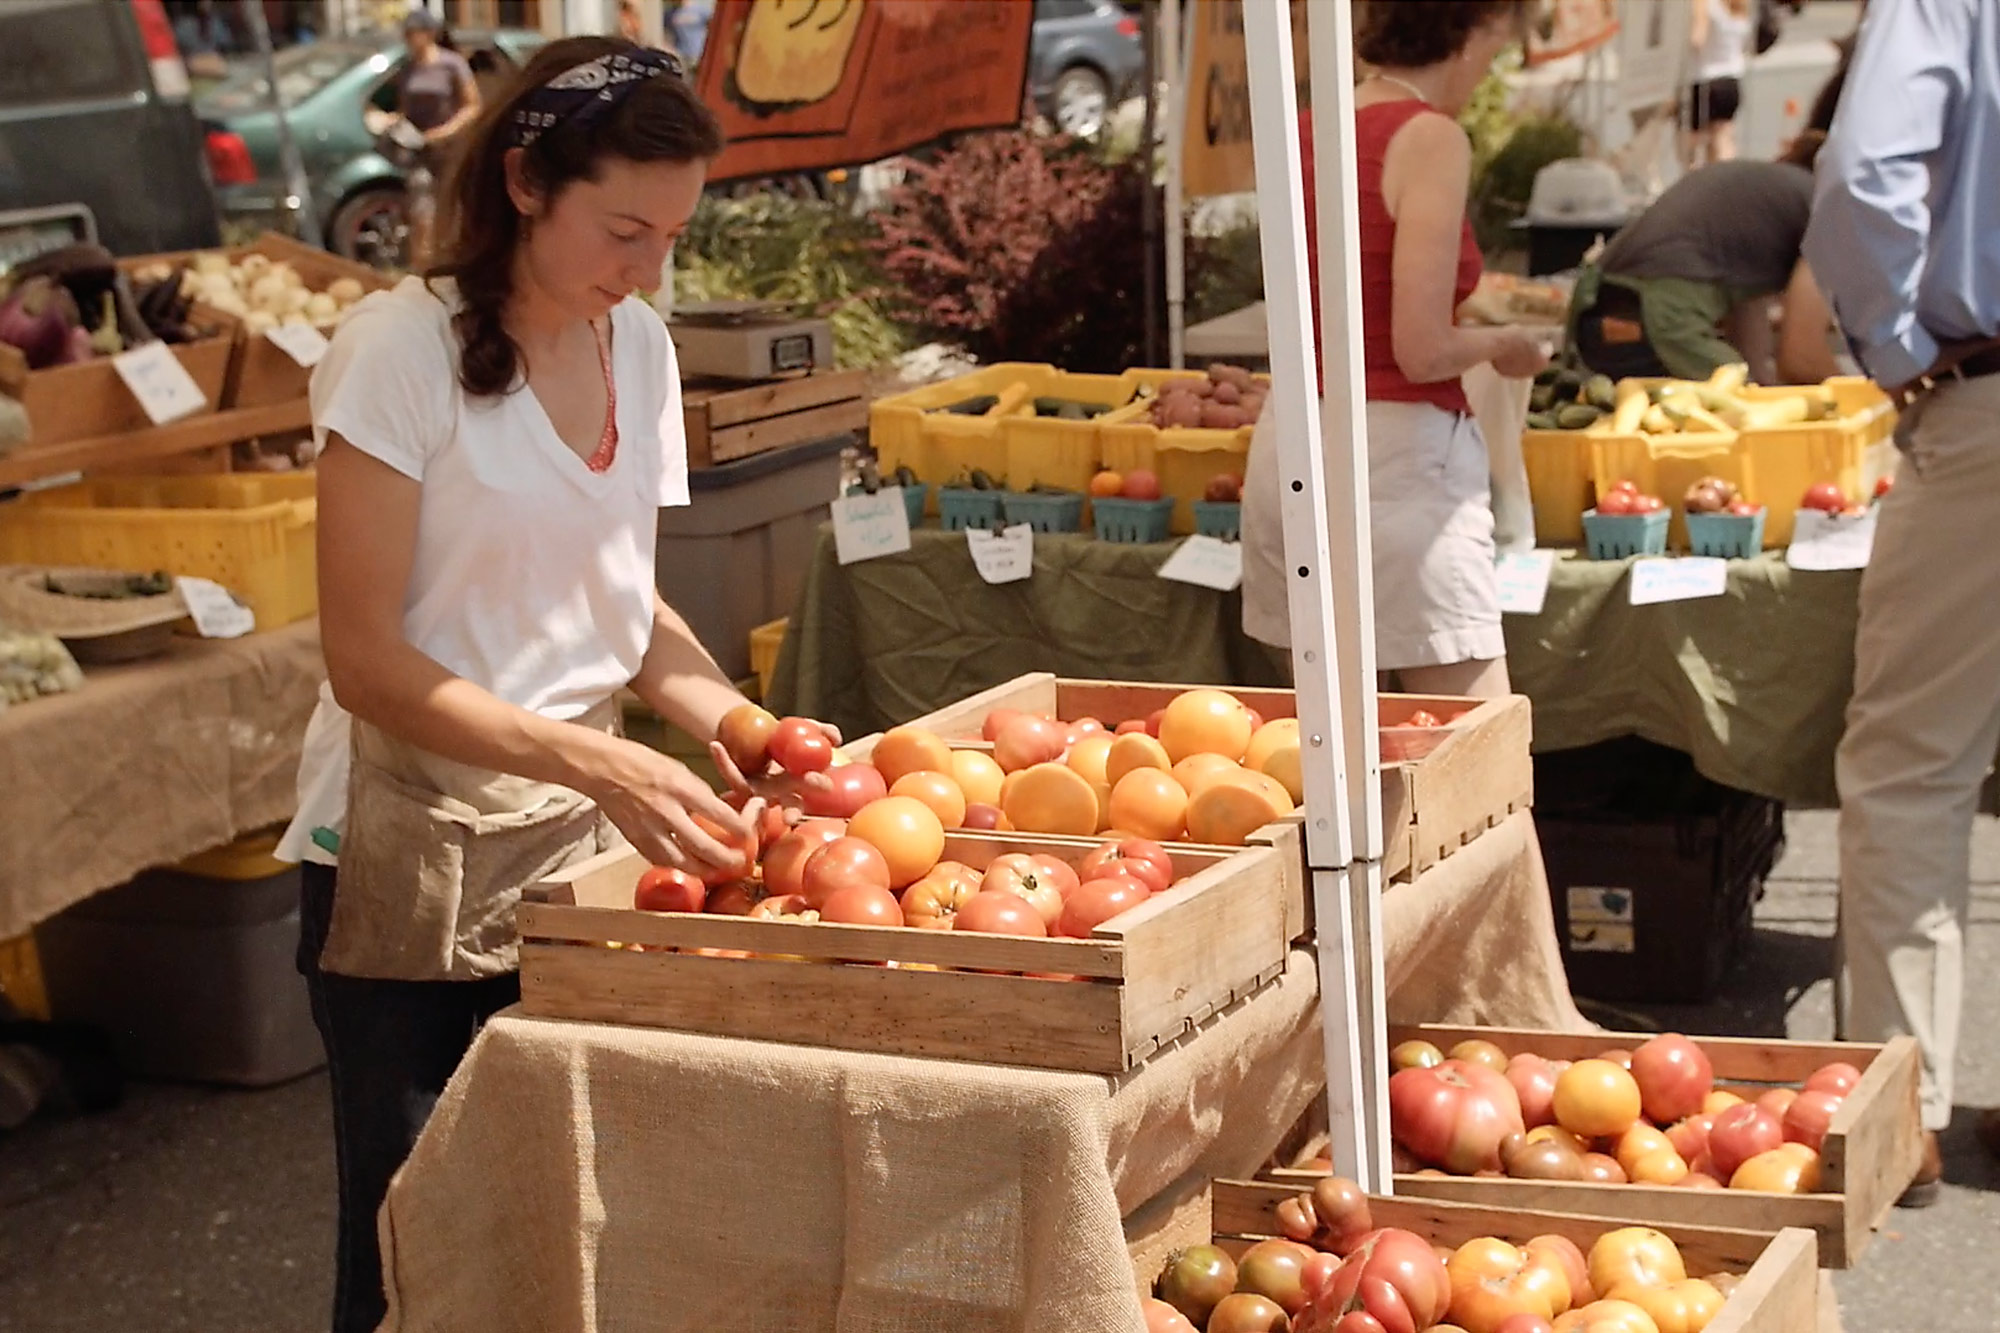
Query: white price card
(1206, 562)
(1524, 581)
(1678, 579)
(867, 526)
(161, 384)
(1007, 556)
(301, 342)
(1831, 541)
(217, 613)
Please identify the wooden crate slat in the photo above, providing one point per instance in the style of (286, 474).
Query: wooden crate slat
(950, 1015)
(1739, 1059)
(1875, 1144)
(32, 462)
(755, 437)
(734, 406)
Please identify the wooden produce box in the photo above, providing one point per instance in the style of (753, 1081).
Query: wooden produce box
(89, 400)
(728, 419)
(1144, 979)
(1780, 1291)
(1870, 1155)
(1458, 781)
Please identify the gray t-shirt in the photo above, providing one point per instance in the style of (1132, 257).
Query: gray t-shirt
(433, 92)
(1737, 225)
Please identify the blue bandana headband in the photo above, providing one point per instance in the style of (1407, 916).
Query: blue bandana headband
(583, 94)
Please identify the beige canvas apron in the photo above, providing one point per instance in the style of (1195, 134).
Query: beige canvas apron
(435, 854)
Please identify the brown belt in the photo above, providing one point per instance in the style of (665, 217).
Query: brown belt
(1960, 361)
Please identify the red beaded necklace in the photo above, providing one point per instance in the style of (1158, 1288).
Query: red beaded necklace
(606, 452)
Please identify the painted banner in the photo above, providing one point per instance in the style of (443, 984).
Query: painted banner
(1570, 27)
(804, 85)
(1216, 157)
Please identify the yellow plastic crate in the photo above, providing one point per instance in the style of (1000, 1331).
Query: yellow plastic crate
(251, 532)
(1184, 458)
(1048, 451)
(1666, 465)
(21, 978)
(765, 641)
(1789, 459)
(1561, 484)
(907, 430)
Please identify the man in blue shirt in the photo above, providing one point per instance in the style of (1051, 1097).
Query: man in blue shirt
(1905, 238)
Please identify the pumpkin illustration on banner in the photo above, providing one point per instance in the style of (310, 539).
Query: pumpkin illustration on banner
(793, 52)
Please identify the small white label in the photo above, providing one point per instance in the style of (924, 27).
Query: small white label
(1206, 562)
(1601, 920)
(1007, 556)
(1681, 579)
(217, 614)
(867, 526)
(1524, 581)
(161, 384)
(301, 342)
(1831, 541)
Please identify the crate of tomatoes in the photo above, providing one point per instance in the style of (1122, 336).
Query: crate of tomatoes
(1332, 1259)
(1738, 1132)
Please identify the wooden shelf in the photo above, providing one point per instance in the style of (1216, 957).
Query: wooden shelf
(36, 462)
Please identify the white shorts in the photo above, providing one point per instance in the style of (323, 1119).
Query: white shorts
(1437, 600)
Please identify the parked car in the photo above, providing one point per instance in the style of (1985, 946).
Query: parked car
(1085, 57)
(94, 110)
(357, 189)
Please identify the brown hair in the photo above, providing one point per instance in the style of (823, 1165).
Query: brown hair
(1409, 34)
(659, 120)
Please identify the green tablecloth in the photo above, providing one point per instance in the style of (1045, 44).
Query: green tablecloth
(1752, 684)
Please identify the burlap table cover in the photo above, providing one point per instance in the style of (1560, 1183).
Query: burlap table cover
(597, 1178)
(149, 764)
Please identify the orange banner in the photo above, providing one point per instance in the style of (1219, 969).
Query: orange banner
(802, 85)
(1216, 156)
(1569, 27)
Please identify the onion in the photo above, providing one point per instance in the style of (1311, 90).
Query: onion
(32, 320)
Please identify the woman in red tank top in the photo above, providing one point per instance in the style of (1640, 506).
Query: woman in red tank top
(1437, 611)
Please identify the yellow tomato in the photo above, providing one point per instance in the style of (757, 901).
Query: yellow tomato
(1631, 1257)
(1607, 1317)
(977, 776)
(1492, 1281)
(1790, 1169)
(1597, 1099)
(1684, 1307)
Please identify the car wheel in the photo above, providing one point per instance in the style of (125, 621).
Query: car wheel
(1082, 101)
(371, 226)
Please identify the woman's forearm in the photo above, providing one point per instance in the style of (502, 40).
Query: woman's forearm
(679, 680)
(1448, 354)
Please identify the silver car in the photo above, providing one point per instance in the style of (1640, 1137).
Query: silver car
(1084, 59)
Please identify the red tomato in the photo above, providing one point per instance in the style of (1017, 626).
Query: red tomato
(1615, 502)
(663, 889)
(1740, 1133)
(1247, 1312)
(801, 746)
(1883, 486)
(1058, 872)
(993, 912)
(1454, 1115)
(1777, 1101)
(1130, 725)
(785, 861)
(1153, 720)
(1689, 1137)
(843, 863)
(1534, 1081)
(1164, 1318)
(1628, 486)
(1085, 726)
(1023, 876)
(1141, 485)
(746, 731)
(1565, 1253)
(979, 815)
(1029, 740)
(1149, 861)
(1837, 1078)
(1196, 1279)
(1492, 1281)
(1674, 1077)
(1648, 504)
(744, 845)
(1097, 902)
(862, 905)
(996, 721)
(790, 906)
(1809, 1117)
(854, 785)
(736, 899)
(1394, 1277)
(1825, 497)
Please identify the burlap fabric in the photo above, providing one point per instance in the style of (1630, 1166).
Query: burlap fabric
(605, 1179)
(149, 764)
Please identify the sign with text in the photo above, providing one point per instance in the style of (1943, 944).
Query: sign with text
(1007, 556)
(1206, 562)
(1678, 579)
(1823, 541)
(805, 85)
(301, 342)
(160, 382)
(867, 526)
(1524, 581)
(1216, 157)
(215, 611)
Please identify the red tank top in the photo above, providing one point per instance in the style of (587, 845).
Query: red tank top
(1374, 127)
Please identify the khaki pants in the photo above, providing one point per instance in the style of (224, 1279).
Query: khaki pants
(1921, 733)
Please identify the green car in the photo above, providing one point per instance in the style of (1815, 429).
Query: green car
(357, 191)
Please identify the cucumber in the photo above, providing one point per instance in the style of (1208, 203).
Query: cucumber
(1542, 421)
(1541, 398)
(905, 476)
(1547, 374)
(1568, 384)
(1577, 416)
(972, 407)
(982, 480)
(1600, 392)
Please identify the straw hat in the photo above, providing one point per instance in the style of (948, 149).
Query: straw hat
(61, 602)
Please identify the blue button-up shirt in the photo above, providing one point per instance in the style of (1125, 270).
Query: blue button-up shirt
(1905, 232)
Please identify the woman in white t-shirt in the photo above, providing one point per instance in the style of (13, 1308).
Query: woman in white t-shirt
(498, 438)
(1721, 38)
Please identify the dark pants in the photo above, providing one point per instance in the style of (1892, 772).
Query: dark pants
(390, 1048)
(1617, 359)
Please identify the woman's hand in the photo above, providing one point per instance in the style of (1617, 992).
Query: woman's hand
(653, 800)
(1520, 354)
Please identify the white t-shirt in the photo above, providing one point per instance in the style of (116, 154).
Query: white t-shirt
(533, 576)
(1726, 53)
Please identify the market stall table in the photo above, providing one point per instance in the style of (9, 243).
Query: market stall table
(588, 1176)
(1752, 684)
(150, 763)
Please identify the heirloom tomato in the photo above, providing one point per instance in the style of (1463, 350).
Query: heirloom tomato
(1454, 1115)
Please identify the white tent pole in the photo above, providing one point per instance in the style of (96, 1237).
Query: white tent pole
(1320, 598)
(1174, 59)
(1330, 48)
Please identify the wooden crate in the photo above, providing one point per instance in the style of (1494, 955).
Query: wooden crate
(727, 419)
(88, 400)
(1474, 773)
(1144, 978)
(1870, 1156)
(1780, 1291)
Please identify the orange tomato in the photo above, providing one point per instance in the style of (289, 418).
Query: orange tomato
(1662, 1166)
(1631, 1257)
(932, 902)
(1133, 750)
(907, 832)
(996, 722)
(905, 750)
(1227, 813)
(1607, 1317)
(1492, 1281)
(1268, 739)
(1107, 484)
(1274, 751)
(1051, 798)
(1205, 721)
(1597, 1099)
(1790, 1169)
(1088, 757)
(1563, 1252)
(1684, 1307)
(1199, 772)
(1274, 791)
(1636, 1142)
(1150, 804)
(937, 790)
(1719, 1101)
(977, 776)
